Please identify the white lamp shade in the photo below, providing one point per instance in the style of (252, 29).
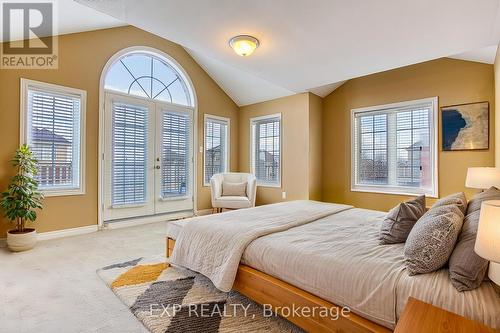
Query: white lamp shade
(483, 178)
(488, 232)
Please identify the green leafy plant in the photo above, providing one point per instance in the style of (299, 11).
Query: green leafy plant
(22, 198)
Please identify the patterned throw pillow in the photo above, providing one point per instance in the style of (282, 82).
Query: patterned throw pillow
(467, 269)
(432, 239)
(475, 203)
(400, 220)
(457, 199)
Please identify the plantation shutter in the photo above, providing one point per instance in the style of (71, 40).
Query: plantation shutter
(175, 155)
(53, 134)
(130, 154)
(216, 138)
(392, 148)
(266, 150)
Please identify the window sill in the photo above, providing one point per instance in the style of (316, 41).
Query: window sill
(269, 185)
(62, 193)
(392, 192)
(184, 197)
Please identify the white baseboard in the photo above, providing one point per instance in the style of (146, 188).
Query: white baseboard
(113, 225)
(147, 220)
(60, 233)
(67, 232)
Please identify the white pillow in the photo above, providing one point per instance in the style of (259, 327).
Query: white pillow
(234, 189)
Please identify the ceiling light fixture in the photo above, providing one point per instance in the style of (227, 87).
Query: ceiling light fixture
(244, 45)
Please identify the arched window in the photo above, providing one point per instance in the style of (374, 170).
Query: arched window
(148, 75)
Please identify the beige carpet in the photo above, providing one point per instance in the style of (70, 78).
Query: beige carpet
(171, 299)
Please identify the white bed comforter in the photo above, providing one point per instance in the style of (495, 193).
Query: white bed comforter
(339, 259)
(213, 245)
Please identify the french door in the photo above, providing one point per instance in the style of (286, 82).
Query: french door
(148, 159)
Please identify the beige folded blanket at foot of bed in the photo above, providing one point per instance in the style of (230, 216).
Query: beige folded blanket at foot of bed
(213, 245)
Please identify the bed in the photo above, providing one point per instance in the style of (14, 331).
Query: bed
(333, 259)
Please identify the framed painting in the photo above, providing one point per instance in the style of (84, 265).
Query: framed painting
(465, 126)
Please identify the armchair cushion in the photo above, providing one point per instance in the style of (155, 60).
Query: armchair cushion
(234, 189)
(233, 202)
(220, 200)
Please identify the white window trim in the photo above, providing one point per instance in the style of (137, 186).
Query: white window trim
(433, 145)
(252, 150)
(227, 155)
(25, 85)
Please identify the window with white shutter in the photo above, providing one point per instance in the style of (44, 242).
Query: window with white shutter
(53, 127)
(394, 148)
(130, 154)
(266, 149)
(175, 154)
(216, 146)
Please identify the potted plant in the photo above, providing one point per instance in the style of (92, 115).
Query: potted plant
(21, 200)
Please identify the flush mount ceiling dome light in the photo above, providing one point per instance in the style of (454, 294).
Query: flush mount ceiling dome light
(244, 45)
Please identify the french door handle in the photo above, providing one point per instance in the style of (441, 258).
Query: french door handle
(157, 167)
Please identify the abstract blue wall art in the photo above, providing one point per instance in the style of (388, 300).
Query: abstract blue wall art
(465, 126)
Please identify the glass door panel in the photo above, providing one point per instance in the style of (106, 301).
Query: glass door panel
(129, 158)
(174, 160)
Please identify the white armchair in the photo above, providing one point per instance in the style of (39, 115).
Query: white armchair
(232, 202)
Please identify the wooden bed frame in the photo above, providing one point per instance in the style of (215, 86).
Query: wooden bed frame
(265, 289)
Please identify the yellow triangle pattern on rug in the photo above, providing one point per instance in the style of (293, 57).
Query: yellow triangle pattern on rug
(139, 274)
(149, 286)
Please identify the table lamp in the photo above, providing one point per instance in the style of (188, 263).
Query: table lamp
(483, 178)
(488, 237)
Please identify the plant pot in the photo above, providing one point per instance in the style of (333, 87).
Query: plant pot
(21, 241)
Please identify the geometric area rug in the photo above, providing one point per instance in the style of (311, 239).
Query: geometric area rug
(174, 300)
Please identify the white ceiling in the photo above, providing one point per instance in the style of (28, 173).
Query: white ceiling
(73, 17)
(308, 44)
(305, 45)
(242, 87)
(485, 55)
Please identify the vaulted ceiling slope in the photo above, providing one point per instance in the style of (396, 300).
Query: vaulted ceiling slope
(307, 45)
(71, 17)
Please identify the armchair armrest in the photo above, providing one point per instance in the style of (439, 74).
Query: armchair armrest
(251, 189)
(215, 187)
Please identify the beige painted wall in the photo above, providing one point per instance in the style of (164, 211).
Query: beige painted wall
(497, 110)
(294, 120)
(453, 81)
(301, 136)
(82, 57)
(315, 146)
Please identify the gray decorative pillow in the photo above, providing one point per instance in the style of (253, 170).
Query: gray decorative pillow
(467, 269)
(475, 203)
(234, 189)
(400, 220)
(432, 239)
(457, 199)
